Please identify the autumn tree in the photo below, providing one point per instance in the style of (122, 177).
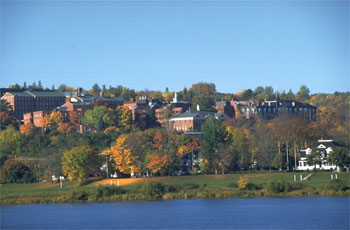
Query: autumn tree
(53, 119)
(65, 128)
(78, 162)
(124, 116)
(7, 119)
(121, 157)
(157, 163)
(26, 129)
(265, 146)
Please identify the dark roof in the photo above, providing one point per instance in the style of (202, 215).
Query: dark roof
(89, 98)
(200, 114)
(44, 93)
(5, 90)
(21, 94)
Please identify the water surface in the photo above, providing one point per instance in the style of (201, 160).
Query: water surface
(257, 213)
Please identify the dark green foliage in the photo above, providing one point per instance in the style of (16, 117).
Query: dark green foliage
(206, 103)
(153, 190)
(189, 186)
(77, 195)
(277, 186)
(213, 133)
(338, 185)
(232, 185)
(16, 172)
(107, 191)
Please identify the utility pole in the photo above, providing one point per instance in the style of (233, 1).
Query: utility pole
(287, 155)
(295, 156)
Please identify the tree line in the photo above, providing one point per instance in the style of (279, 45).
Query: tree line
(141, 147)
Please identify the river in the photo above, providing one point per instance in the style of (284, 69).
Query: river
(256, 213)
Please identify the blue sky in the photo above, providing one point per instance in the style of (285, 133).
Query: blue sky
(156, 44)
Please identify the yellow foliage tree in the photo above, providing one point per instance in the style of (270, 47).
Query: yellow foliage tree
(124, 116)
(53, 119)
(121, 156)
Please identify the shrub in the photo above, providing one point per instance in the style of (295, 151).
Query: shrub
(107, 191)
(16, 172)
(153, 190)
(276, 186)
(243, 182)
(232, 185)
(337, 185)
(77, 195)
(172, 188)
(189, 186)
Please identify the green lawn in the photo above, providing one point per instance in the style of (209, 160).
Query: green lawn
(44, 191)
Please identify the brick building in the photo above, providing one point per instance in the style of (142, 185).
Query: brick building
(271, 109)
(29, 101)
(191, 121)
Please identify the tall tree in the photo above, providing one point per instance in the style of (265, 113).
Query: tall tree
(213, 133)
(78, 162)
(121, 156)
(100, 117)
(303, 94)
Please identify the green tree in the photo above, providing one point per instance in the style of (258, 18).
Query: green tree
(213, 133)
(340, 156)
(303, 94)
(16, 172)
(10, 143)
(100, 117)
(78, 162)
(206, 103)
(314, 158)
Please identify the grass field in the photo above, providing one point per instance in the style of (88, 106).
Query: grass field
(45, 192)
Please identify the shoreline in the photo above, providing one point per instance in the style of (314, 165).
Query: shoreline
(274, 185)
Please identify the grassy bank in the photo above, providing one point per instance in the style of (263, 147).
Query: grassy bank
(179, 187)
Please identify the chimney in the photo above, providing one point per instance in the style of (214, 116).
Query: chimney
(198, 109)
(101, 94)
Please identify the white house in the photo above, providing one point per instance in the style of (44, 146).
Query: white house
(324, 148)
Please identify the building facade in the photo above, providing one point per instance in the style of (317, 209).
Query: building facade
(324, 148)
(271, 109)
(30, 101)
(191, 121)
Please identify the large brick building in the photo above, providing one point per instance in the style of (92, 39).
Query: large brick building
(271, 109)
(191, 121)
(30, 100)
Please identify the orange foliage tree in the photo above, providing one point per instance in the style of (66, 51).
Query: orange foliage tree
(157, 163)
(121, 156)
(26, 128)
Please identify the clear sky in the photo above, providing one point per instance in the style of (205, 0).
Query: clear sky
(157, 44)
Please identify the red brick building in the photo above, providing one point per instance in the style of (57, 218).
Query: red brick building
(29, 101)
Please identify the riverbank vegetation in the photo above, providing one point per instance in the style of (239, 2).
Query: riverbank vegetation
(185, 187)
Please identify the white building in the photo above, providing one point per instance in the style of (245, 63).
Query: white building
(324, 148)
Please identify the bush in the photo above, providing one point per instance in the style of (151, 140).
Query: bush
(107, 191)
(243, 182)
(232, 185)
(276, 186)
(16, 172)
(78, 195)
(337, 185)
(189, 186)
(153, 190)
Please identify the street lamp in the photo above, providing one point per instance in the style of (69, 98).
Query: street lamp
(107, 171)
